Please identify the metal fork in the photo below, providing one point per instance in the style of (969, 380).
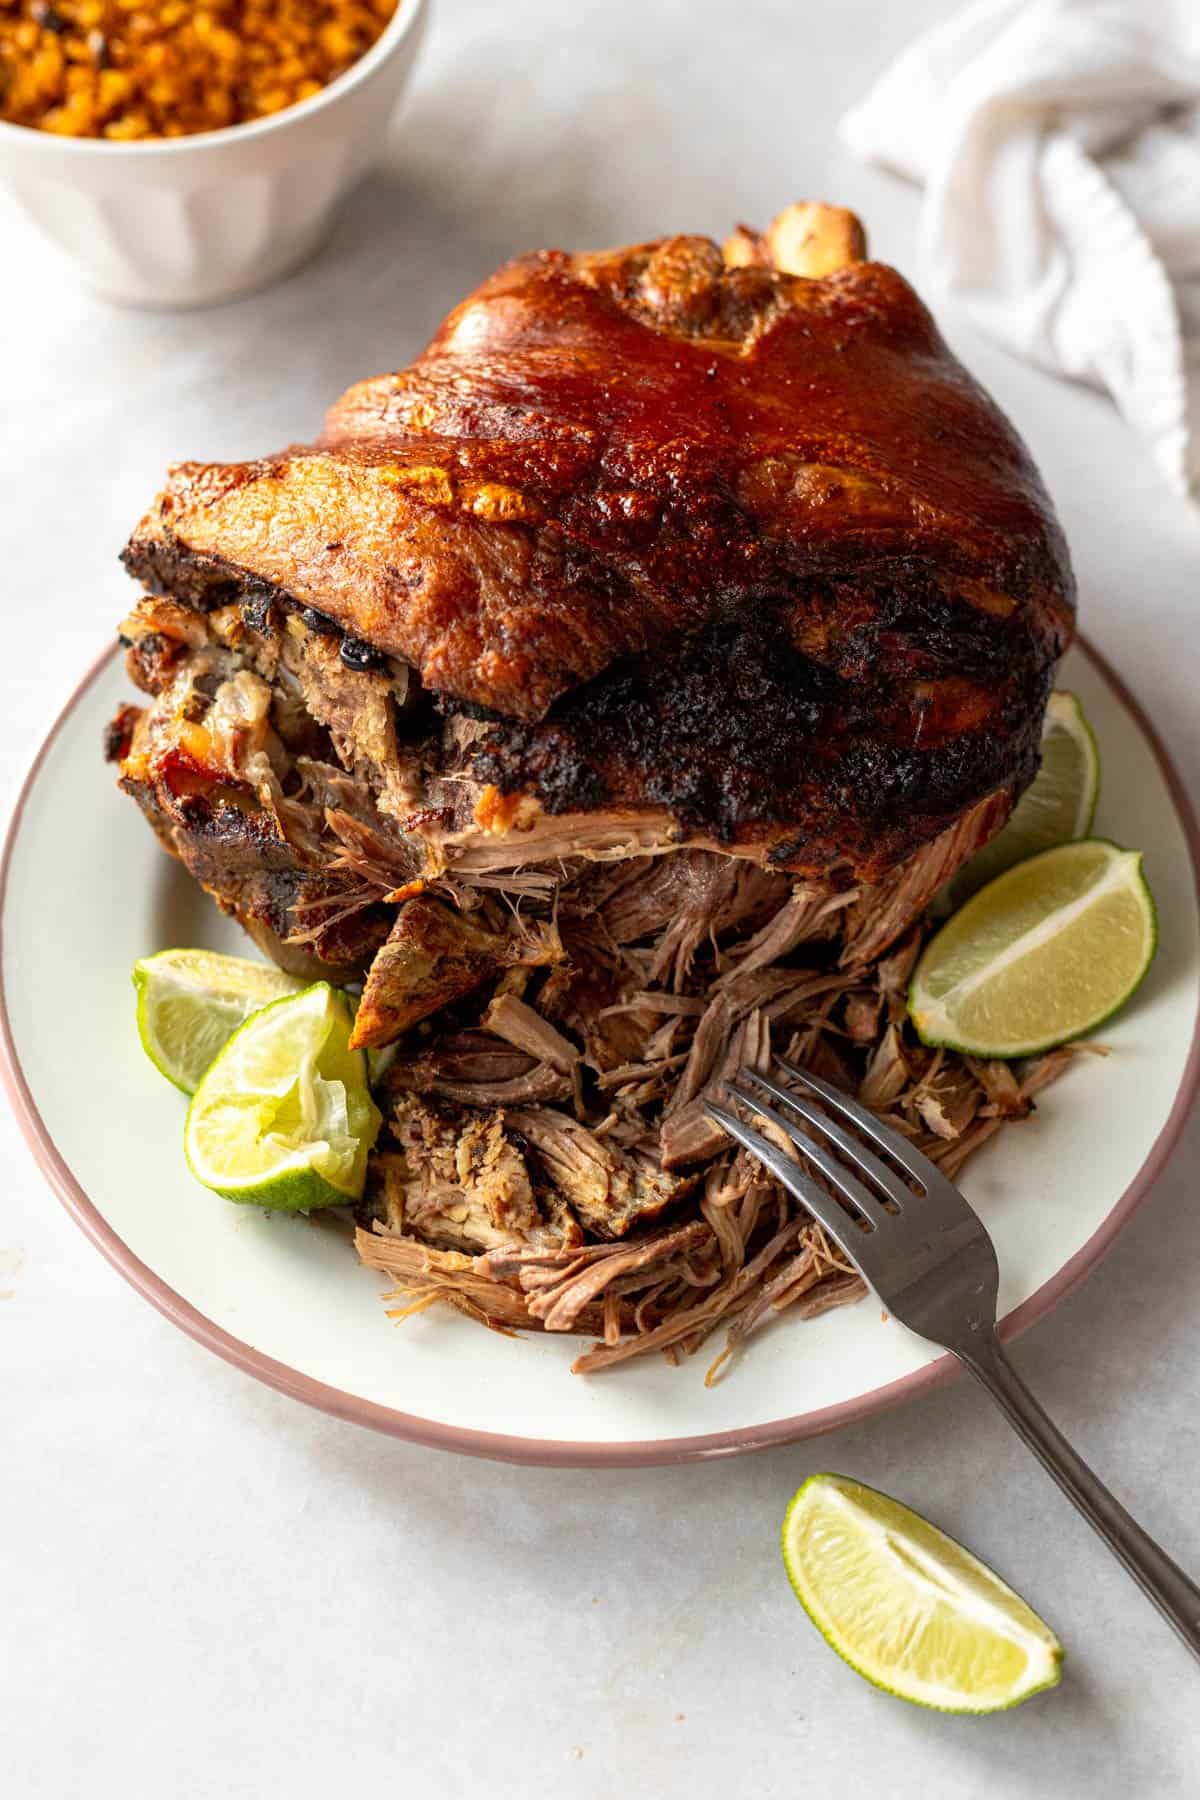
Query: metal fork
(926, 1253)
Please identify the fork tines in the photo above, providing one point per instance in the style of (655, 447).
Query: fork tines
(853, 1150)
(843, 1225)
(818, 1134)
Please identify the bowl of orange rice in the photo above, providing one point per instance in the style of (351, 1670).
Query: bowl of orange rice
(179, 155)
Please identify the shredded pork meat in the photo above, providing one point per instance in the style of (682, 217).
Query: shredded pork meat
(645, 1228)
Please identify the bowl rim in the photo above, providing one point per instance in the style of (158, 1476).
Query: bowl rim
(571, 1453)
(402, 21)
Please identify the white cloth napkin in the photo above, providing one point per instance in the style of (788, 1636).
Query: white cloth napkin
(1059, 145)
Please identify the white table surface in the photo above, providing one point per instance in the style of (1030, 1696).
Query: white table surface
(208, 1590)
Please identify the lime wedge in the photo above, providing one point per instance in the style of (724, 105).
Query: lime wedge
(1058, 807)
(907, 1607)
(190, 1002)
(1042, 954)
(283, 1118)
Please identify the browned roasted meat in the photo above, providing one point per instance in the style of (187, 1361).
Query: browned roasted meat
(458, 1180)
(435, 955)
(611, 691)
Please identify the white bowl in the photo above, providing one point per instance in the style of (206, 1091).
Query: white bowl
(192, 220)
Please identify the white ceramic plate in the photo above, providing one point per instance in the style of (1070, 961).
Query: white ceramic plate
(84, 891)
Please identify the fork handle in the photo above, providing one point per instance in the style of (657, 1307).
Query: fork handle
(1161, 1580)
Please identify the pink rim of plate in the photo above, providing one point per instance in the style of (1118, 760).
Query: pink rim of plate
(565, 1453)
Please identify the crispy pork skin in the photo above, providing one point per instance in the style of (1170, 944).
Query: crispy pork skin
(733, 543)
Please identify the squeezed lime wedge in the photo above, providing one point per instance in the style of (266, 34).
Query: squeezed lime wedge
(283, 1118)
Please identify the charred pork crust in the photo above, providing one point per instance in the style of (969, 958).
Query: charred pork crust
(208, 583)
(740, 732)
(200, 580)
(118, 733)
